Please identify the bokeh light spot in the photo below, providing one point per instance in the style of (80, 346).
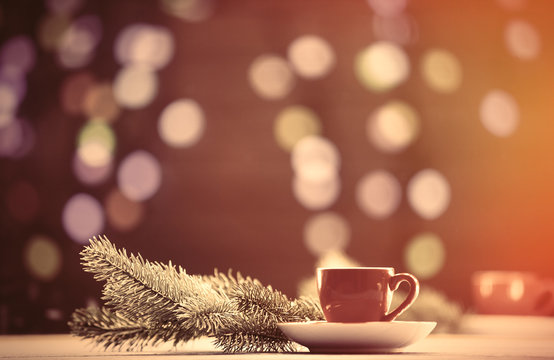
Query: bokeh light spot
(82, 217)
(441, 70)
(100, 102)
(388, 8)
(51, 30)
(499, 113)
(15, 80)
(8, 103)
(18, 53)
(326, 232)
(293, 123)
(135, 86)
(315, 159)
(316, 195)
(382, 66)
(65, 7)
(78, 43)
(393, 127)
(123, 214)
(96, 143)
(271, 77)
(400, 29)
(22, 201)
(311, 56)
(429, 193)
(189, 10)
(144, 44)
(425, 255)
(522, 40)
(42, 258)
(378, 194)
(139, 176)
(74, 91)
(17, 139)
(91, 175)
(181, 123)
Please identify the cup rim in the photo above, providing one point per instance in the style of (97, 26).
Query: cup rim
(355, 268)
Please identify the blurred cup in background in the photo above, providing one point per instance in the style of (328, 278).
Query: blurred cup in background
(512, 293)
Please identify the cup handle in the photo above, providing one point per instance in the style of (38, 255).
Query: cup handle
(394, 282)
(544, 305)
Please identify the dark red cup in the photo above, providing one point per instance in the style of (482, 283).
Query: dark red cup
(362, 294)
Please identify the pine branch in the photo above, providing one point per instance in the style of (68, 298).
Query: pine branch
(224, 283)
(156, 294)
(108, 328)
(307, 309)
(253, 333)
(150, 302)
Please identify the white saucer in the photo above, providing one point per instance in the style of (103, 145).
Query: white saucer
(368, 337)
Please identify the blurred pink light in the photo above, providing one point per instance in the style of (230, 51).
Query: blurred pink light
(91, 175)
(82, 217)
(16, 139)
(77, 45)
(15, 80)
(388, 8)
(18, 53)
(139, 175)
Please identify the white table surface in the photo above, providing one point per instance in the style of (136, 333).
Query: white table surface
(481, 338)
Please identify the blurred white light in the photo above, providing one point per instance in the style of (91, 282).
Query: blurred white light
(139, 176)
(516, 289)
(181, 123)
(144, 44)
(522, 39)
(393, 127)
(429, 194)
(311, 56)
(271, 77)
(316, 195)
(326, 232)
(378, 194)
(135, 86)
(315, 159)
(499, 113)
(382, 66)
(82, 217)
